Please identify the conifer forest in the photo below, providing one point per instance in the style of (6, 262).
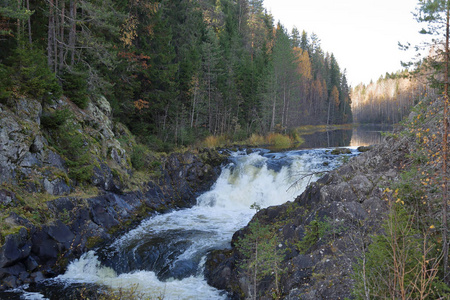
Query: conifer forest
(173, 71)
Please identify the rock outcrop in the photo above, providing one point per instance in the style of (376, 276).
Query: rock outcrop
(347, 202)
(48, 218)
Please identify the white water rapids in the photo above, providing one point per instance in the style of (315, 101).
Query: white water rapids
(165, 254)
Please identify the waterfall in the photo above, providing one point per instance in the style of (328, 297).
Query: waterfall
(165, 254)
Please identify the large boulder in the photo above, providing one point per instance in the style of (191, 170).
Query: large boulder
(347, 202)
(16, 247)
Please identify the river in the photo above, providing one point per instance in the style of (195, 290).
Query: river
(165, 255)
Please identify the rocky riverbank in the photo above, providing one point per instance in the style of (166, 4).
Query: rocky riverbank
(321, 234)
(56, 205)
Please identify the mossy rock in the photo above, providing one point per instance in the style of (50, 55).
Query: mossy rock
(339, 151)
(364, 148)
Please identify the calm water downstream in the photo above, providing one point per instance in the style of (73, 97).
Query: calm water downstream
(166, 253)
(363, 135)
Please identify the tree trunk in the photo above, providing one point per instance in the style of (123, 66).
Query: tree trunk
(272, 124)
(55, 36)
(193, 106)
(255, 274)
(61, 35)
(445, 150)
(72, 32)
(283, 112)
(51, 35)
(18, 22)
(328, 115)
(29, 24)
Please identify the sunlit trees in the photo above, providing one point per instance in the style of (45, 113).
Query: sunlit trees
(387, 100)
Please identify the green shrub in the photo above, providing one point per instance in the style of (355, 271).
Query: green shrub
(187, 136)
(261, 256)
(56, 119)
(75, 86)
(401, 263)
(240, 135)
(31, 76)
(314, 231)
(156, 144)
(5, 83)
(72, 144)
(138, 157)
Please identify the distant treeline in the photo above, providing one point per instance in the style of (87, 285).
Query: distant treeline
(174, 71)
(389, 99)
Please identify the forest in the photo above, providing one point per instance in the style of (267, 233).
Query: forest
(390, 98)
(174, 71)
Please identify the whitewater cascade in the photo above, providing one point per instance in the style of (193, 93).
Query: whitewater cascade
(165, 254)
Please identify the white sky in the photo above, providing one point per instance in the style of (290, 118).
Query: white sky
(362, 34)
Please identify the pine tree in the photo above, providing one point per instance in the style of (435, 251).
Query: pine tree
(295, 37)
(436, 15)
(261, 256)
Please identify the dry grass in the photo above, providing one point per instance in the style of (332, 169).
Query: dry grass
(256, 140)
(275, 141)
(279, 141)
(214, 141)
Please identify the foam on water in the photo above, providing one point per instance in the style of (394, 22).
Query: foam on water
(262, 178)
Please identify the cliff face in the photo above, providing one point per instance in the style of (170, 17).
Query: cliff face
(28, 159)
(345, 207)
(59, 198)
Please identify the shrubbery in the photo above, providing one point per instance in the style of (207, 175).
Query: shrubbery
(279, 141)
(29, 75)
(138, 157)
(55, 120)
(5, 83)
(75, 86)
(69, 142)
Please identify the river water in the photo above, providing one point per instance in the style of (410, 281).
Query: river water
(165, 254)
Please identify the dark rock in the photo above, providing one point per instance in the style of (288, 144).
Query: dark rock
(89, 220)
(361, 184)
(33, 187)
(218, 270)
(56, 187)
(121, 206)
(44, 247)
(16, 269)
(55, 160)
(29, 160)
(29, 109)
(104, 179)
(10, 282)
(349, 201)
(23, 275)
(38, 276)
(364, 148)
(31, 264)
(14, 249)
(61, 233)
(38, 144)
(102, 213)
(7, 198)
(338, 151)
(60, 205)
(115, 156)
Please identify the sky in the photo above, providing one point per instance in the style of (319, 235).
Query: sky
(363, 35)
